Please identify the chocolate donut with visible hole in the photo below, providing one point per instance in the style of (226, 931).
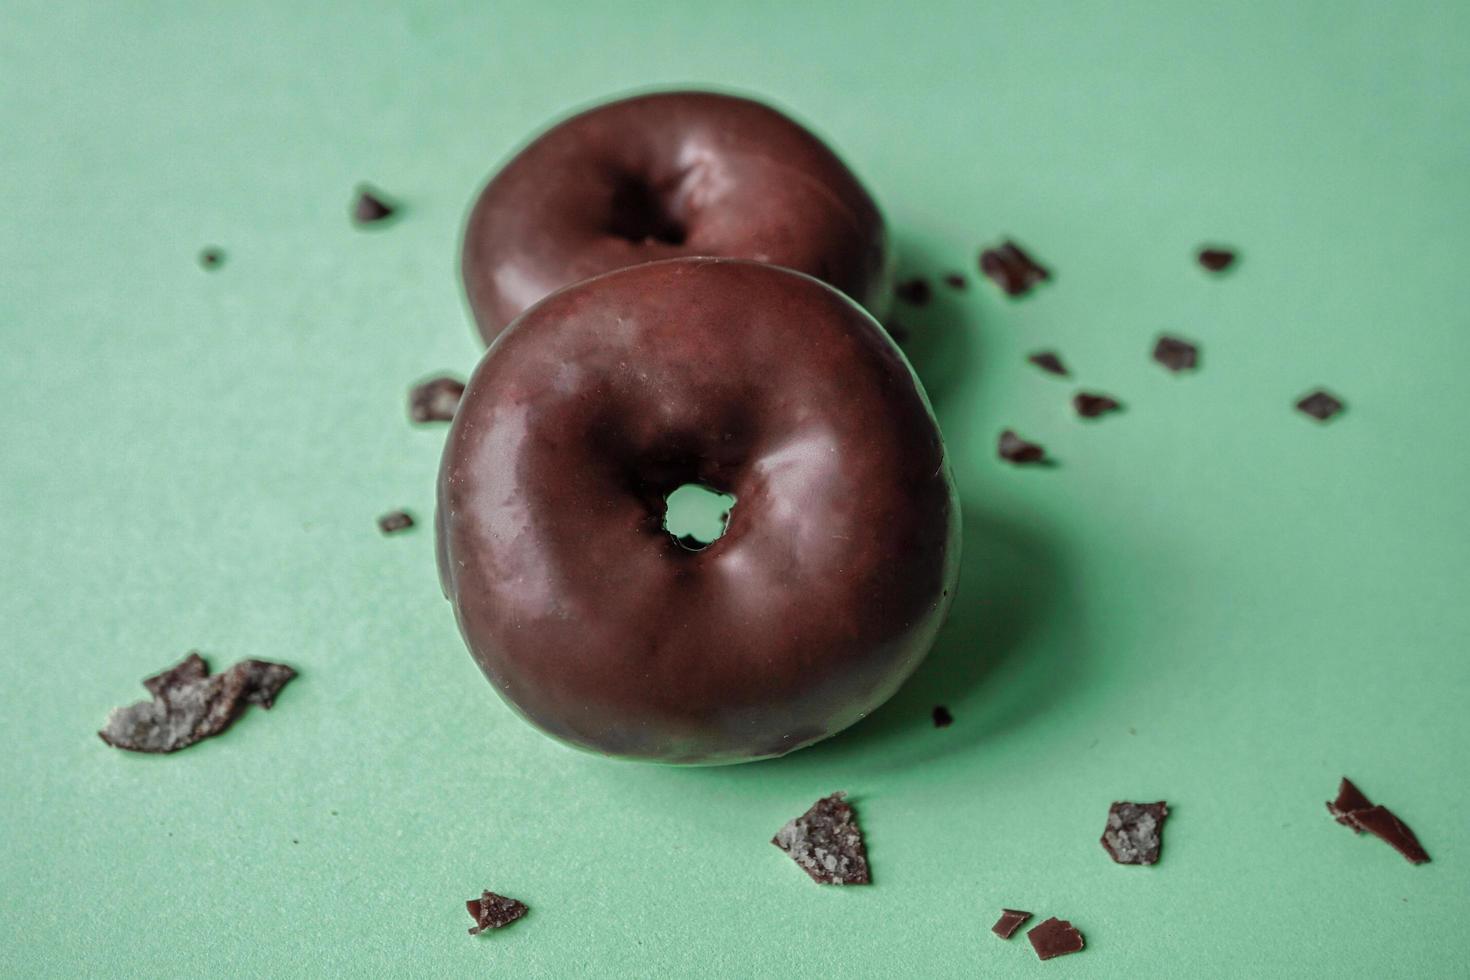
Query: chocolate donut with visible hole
(662, 176)
(839, 555)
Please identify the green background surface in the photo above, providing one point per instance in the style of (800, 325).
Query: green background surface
(1212, 599)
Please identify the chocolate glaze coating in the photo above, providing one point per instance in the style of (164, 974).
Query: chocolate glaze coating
(662, 176)
(840, 557)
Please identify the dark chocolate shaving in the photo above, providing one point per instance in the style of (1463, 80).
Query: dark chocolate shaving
(1135, 832)
(1013, 449)
(942, 717)
(1216, 259)
(1090, 406)
(1320, 405)
(492, 911)
(1050, 362)
(1012, 269)
(956, 281)
(1055, 937)
(1175, 354)
(1349, 798)
(211, 258)
(189, 705)
(1010, 920)
(1353, 809)
(915, 291)
(370, 207)
(827, 843)
(395, 521)
(435, 400)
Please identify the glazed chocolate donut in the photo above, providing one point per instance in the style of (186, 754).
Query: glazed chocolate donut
(662, 176)
(839, 560)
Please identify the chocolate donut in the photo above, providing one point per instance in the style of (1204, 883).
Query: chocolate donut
(841, 552)
(662, 176)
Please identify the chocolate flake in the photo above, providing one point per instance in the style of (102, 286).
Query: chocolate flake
(370, 207)
(1175, 354)
(189, 705)
(1216, 259)
(1010, 920)
(1012, 269)
(394, 521)
(1050, 362)
(1090, 406)
(1135, 832)
(492, 911)
(942, 717)
(1014, 449)
(915, 291)
(435, 400)
(827, 843)
(1353, 809)
(1055, 937)
(211, 258)
(955, 280)
(1320, 405)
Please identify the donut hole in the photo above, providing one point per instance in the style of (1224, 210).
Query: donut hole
(696, 516)
(643, 214)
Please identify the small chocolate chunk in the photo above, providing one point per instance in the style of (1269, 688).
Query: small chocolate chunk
(1090, 406)
(1014, 449)
(435, 400)
(942, 717)
(1175, 354)
(1050, 362)
(1010, 920)
(211, 258)
(1216, 259)
(1320, 405)
(1012, 269)
(827, 843)
(1353, 809)
(370, 207)
(1349, 799)
(955, 280)
(915, 291)
(394, 521)
(189, 705)
(492, 911)
(1055, 937)
(1135, 832)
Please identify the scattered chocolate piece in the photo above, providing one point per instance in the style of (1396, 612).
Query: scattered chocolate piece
(1010, 920)
(492, 911)
(915, 291)
(394, 521)
(1320, 405)
(1090, 406)
(211, 258)
(1014, 449)
(189, 705)
(1055, 937)
(1175, 354)
(1216, 259)
(1010, 268)
(435, 400)
(370, 208)
(1355, 810)
(942, 717)
(827, 843)
(1050, 362)
(1135, 832)
(956, 281)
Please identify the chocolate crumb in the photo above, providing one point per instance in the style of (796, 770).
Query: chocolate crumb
(394, 521)
(915, 291)
(1320, 405)
(189, 705)
(1353, 809)
(942, 717)
(827, 843)
(1010, 920)
(211, 258)
(1014, 449)
(1090, 406)
(370, 207)
(1216, 259)
(1134, 832)
(955, 280)
(1175, 354)
(435, 400)
(492, 911)
(1055, 937)
(1012, 269)
(1050, 362)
